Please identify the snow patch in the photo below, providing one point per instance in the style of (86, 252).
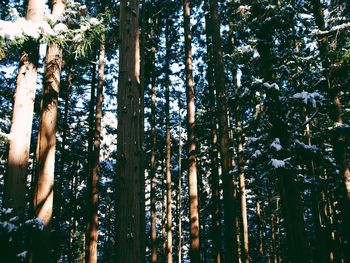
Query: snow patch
(276, 144)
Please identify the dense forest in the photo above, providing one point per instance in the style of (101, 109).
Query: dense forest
(175, 131)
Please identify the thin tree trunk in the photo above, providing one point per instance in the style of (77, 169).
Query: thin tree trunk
(168, 156)
(22, 118)
(90, 150)
(95, 172)
(260, 230)
(191, 134)
(130, 174)
(46, 147)
(153, 157)
(231, 251)
(179, 248)
(214, 168)
(244, 218)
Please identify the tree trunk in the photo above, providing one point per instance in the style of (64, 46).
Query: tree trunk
(191, 134)
(214, 168)
(95, 172)
(153, 155)
(130, 173)
(231, 251)
(168, 155)
(22, 118)
(179, 248)
(46, 147)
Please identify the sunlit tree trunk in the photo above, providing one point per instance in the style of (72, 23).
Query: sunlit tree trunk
(22, 118)
(95, 172)
(231, 247)
(214, 168)
(46, 146)
(179, 210)
(191, 144)
(130, 174)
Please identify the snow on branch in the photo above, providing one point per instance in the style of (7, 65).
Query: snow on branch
(337, 28)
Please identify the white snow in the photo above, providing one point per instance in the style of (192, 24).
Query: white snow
(278, 163)
(308, 97)
(276, 144)
(271, 86)
(257, 153)
(22, 255)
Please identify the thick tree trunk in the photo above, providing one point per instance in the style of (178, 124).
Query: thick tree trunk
(95, 172)
(22, 118)
(130, 173)
(231, 251)
(191, 134)
(214, 168)
(46, 146)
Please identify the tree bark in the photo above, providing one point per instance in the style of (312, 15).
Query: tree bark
(231, 246)
(214, 168)
(191, 134)
(22, 118)
(179, 210)
(130, 173)
(46, 146)
(168, 155)
(95, 171)
(153, 155)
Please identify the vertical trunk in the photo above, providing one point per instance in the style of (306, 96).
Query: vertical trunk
(336, 115)
(95, 171)
(22, 118)
(130, 173)
(46, 146)
(244, 218)
(153, 159)
(191, 133)
(260, 230)
(231, 251)
(164, 199)
(168, 157)
(216, 215)
(179, 210)
(90, 150)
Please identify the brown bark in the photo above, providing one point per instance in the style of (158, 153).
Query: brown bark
(130, 173)
(153, 159)
(22, 118)
(231, 251)
(46, 146)
(168, 157)
(216, 214)
(260, 229)
(244, 217)
(179, 210)
(95, 171)
(191, 134)
(336, 115)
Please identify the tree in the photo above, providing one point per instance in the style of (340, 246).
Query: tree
(231, 250)
(46, 145)
(130, 174)
(22, 117)
(191, 141)
(95, 171)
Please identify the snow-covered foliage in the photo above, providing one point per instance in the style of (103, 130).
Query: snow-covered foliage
(308, 97)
